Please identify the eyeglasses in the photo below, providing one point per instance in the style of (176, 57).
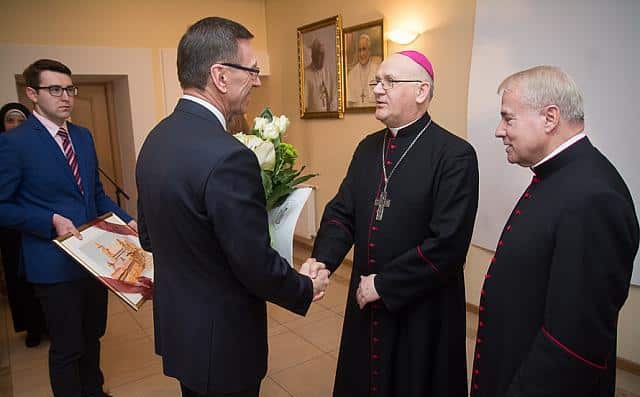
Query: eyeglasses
(56, 90)
(387, 84)
(254, 72)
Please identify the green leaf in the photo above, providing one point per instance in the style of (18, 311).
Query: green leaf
(302, 179)
(267, 114)
(266, 182)
(278, 195)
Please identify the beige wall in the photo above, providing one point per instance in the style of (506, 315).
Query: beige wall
(325, 145)
(123, 24)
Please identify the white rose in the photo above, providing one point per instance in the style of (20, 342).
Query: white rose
(259, 123)
(282, 123)
(266, 154)
(264, 150)
(271, 131)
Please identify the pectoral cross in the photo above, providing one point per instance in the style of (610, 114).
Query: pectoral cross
(381, 202)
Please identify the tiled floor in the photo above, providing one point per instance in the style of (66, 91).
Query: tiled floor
(302, 358)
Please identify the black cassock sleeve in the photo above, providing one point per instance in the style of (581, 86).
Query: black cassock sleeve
(429, 265)
(336, 234)
(589, 278)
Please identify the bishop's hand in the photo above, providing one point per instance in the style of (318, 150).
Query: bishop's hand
(366, 292)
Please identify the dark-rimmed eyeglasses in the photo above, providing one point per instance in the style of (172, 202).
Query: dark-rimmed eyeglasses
(56, 90)
(387, 84)
(254, 72)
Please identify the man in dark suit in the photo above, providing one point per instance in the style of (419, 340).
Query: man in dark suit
(49, 184)
(202, 213)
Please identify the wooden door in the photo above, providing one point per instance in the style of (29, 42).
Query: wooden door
(93, 110)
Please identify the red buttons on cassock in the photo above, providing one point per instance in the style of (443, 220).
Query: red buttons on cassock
(375, 228)
(481, 308)
(375, 372)
(478, 356)
(389, 162)
(527, 195)
(374, 389)
(518, 212)
(482, 292)
(393, 146)
(493, 260)
(372, 245)
(375, 356)
(536, 179)
(475, 386)
(476, 372)
(376, 323)
(487, 276)
(376, 339)
(480, 324)
(508, 227)
(479, 340)
(500, 243)
(372, 261)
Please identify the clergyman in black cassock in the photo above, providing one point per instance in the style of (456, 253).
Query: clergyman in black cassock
(404, 327)
(561, 272)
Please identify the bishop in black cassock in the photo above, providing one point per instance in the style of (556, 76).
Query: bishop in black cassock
(550, 301)
(414, 239)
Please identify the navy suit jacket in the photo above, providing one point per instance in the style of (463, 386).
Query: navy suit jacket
(35, 183)
(201, 210)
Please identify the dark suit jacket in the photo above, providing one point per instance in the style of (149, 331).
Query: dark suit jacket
(35, 183)
(201, 211)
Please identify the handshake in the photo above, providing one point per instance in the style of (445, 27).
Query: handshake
(319, 276)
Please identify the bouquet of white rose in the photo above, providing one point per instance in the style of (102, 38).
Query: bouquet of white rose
(276, 158)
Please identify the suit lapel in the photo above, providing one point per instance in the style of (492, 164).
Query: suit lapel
(52, 148)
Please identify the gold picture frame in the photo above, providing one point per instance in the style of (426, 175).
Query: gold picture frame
(110, 250)
(320, 75)
(360, 65)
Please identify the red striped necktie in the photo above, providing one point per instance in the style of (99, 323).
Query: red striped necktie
(71, 157)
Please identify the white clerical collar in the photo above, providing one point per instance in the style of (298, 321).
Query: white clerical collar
(209, 106)
(394, 130)
(562, 147)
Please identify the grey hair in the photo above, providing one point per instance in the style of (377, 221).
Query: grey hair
(206, 42)
(426, 77)
(432, 86)
(545, 85)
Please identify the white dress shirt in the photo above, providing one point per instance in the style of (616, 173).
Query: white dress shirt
(209, 107)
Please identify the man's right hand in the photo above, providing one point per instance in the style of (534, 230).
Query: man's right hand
(319, 276)
(64, 226)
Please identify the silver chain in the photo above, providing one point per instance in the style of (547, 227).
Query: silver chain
(384, 144)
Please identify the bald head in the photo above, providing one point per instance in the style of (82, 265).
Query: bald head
(409, 94)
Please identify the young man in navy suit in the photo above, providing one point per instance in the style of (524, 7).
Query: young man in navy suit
(49, 184)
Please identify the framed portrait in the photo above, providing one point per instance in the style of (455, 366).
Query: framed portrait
(363, 52)
(110, 250)
(320, 69)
